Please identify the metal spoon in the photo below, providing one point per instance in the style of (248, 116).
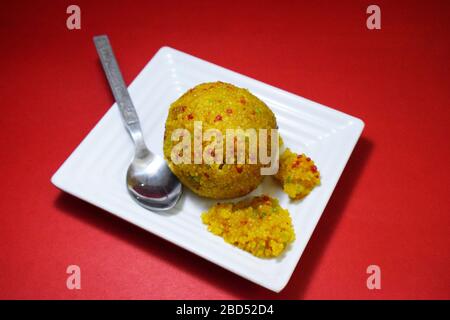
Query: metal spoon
(149, 181)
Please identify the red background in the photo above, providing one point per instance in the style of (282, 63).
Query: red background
(390, 208)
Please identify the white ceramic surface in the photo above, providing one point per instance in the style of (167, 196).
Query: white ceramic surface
(95, 171)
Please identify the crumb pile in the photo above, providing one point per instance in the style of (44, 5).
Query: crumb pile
(259, 226)
(297, 174)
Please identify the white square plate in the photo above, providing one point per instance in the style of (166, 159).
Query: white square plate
(95, 171)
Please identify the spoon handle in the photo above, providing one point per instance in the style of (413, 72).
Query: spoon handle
(118, 88)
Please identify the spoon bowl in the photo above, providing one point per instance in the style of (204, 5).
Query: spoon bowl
(151, 183)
